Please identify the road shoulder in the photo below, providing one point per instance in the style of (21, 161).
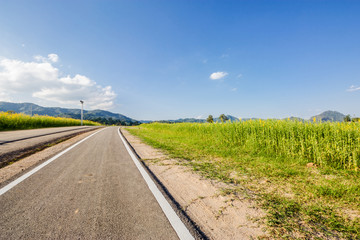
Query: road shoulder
(218, 214)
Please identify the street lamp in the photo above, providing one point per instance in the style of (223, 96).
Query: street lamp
(82, 106)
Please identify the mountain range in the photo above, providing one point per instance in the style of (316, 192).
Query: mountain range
(107, 117)
(101, 116)
(194, 120)
(327, 116)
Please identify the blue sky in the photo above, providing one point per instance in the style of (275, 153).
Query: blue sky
(170, 59)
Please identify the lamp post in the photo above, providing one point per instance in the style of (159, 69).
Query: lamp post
(82, 107)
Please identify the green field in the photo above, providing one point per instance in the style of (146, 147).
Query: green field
(16, 121)
(304, 175)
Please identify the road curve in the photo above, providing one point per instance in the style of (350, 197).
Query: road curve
(93, 191)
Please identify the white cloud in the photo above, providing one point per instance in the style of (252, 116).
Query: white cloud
(53, 57)
(4, 97)
(77, 80)
(24, 81)
(218, 75)
(199, 117)
(234, 89)
(239, 76)
(353, 88)
(39, 58)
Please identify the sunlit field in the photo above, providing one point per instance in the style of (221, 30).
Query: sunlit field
(304, 174)
(15, 121)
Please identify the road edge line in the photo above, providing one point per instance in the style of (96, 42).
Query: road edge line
(28, 174)
(179, 227)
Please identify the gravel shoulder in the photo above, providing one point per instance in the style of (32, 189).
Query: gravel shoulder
(218, 212)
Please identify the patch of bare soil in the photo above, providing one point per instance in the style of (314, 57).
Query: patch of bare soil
(10, 172)
(219, 213)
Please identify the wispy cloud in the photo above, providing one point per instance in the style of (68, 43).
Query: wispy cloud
(233, 89)
(239, 75)
(218, 75)
(53, 57)
(39, 79)
(224, 56)
(353, 88)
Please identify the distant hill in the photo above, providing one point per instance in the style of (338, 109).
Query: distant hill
(298, 119)
(329, 116)
(102, 116)
(107, 117)
(192, 120)
(180, 120)
(332, 116)
(231, 118)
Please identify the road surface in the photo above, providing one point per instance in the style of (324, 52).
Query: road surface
(93, 191)
(14, 144)
(12, 140)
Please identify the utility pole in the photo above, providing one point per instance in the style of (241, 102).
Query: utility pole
(82, 107)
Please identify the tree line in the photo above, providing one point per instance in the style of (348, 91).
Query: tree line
(113, 121)
(222, 117)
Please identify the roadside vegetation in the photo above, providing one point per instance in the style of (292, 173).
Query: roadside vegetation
(16, 121)
(304, 174)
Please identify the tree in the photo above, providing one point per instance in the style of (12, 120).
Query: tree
(223, 118)
(210, 119)
(347, 118)
(355, 119)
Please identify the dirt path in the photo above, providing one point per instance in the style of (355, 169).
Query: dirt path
(210, 204)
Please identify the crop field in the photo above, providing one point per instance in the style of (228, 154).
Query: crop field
(15, 121)
(305, 175)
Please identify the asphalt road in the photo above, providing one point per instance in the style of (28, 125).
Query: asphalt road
(93, 191)
(13, 140)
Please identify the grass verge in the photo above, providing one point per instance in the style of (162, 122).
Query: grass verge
(302, 201)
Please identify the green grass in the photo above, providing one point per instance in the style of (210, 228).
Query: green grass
(16, 121)
(270, 159)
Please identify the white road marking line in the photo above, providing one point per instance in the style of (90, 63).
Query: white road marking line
(28, 174)
(179, 227)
